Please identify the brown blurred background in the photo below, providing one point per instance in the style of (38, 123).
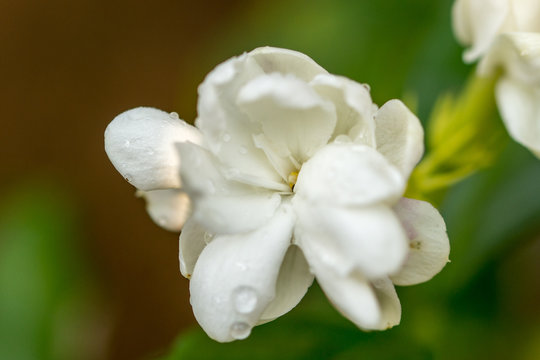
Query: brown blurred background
(67, 68)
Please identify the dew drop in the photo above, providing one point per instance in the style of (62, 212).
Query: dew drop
(162, 221)
(245, 299)
(240, 330)
(128, 178)
(226, 137)
(174, 115)
(242, 150)
(367, 87)
(127, 143)
(208, 237)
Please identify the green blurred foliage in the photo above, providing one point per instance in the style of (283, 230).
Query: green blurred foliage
(49, 306)
(407, 49)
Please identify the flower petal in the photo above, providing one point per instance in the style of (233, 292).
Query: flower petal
(400, 136)
(227, 129)
(477, 23)
(389, 304)
(368, 239)
(235, 277)
(428, 241)
(349, 174)
(169, 208)
(518, 91)
(140, 144)
(351, 293)
(286, 61)
(292, 115)
(519, 105)
(292, 284)
(221, 205)
(193, 240)
(353, 105)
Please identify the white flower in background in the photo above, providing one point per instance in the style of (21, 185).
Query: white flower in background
(505, 35)
(292, 173)
(518, 90)
(478, 22)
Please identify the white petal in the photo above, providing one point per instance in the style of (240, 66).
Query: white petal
(292, 284)
(527, 15)
(228, 131)
(349, 174)
(193, 240)
(235, 277)
(293, 116)
(369, 239)
(353, 105)
(518, 54)
(520, 110)
(428, 241)
(169, 208)
(477, 23)
(400, 136)
(285, 61)
(389, 304)
(351, 293)
(140, 144)
(221, 205)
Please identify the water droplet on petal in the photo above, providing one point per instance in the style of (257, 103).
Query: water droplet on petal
(240, 330)
(162, 221)
(367, 87)
(208, 237)
(128, 178)
(245, 299)
(174, 115)
(242, 150)
(226, 137)
(127, 143)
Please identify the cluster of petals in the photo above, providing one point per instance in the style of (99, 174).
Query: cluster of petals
(290, 174)
(505, 35)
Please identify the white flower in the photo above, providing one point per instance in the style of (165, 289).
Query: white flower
(478, 22)
(518, 90)
(292, 173)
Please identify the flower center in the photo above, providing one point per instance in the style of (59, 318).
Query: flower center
(293, 176)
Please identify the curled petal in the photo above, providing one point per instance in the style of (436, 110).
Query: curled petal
(169, 208)
(140, 144)
(353, 105)
(219, 204)
(228, 130)
(518, 91)
(368, 239)
(477, 23)
(389, 304)
(235, 277)
(292, 115)
(193, 240)
(428, 241)
(292, 284)
(370, 305)
(349, 174)
(286, 61)
(399, 135)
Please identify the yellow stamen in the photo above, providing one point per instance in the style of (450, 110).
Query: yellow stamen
(293, 176)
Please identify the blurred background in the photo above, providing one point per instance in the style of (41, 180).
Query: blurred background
(85, 274)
